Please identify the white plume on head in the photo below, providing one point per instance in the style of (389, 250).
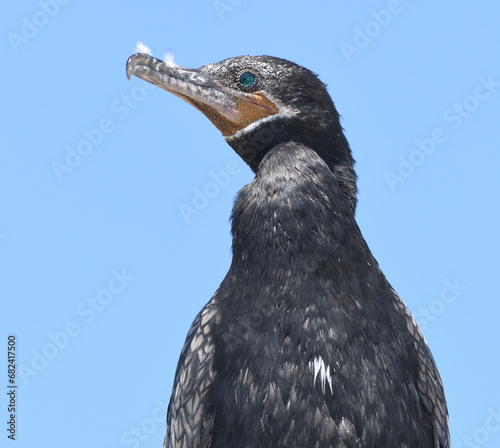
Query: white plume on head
(168, 58)
(141, 48)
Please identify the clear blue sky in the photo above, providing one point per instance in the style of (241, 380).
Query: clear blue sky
(101, 274)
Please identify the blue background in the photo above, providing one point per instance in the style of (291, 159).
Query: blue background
(101, 274)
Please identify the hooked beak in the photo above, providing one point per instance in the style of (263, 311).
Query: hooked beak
(228, 109)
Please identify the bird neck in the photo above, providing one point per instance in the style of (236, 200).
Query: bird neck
(324, 134)
(293, 217)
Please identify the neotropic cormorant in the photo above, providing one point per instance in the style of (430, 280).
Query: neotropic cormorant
(305, 343)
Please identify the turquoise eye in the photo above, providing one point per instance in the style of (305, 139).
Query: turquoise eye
(247, 79)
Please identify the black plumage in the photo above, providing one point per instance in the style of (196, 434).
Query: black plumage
(305, 343)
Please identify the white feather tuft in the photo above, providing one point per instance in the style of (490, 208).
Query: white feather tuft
(168, 58)
(141, 48)
(318, 366)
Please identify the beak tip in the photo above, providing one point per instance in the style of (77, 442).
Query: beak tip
(133, 61)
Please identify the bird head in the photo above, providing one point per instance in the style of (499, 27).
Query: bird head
(259, 102)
